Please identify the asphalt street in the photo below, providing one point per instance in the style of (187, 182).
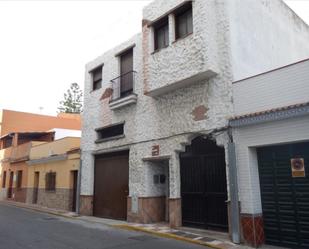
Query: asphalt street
(25, 229)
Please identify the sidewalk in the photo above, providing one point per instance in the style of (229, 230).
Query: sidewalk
(211, 239)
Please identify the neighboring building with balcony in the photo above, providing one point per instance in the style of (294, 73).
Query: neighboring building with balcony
(14, 167)
(271, 134)
(157, 107)
(53, 173)
(19, 132)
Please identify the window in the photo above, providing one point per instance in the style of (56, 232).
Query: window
(97, 78)
(110, 131)
(161, 34)
(184, 21)
(7, 142)
(4, 179)
(50, 181)
(19, 179)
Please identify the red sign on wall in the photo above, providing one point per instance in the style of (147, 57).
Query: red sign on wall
(298, 167)
(155, 150)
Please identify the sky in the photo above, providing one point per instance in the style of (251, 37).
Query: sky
(44, 45)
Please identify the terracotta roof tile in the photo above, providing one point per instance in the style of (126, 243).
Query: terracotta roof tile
(284, 108)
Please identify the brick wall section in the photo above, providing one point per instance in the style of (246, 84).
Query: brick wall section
(150, 210)
(253, 229)
(60, 199)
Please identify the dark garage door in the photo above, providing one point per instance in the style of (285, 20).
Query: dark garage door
(285, 199)
(111, 186)
(203, 185)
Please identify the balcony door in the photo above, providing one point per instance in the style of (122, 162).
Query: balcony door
(126, 71)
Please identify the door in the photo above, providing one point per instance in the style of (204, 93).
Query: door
(10, 189)
(203, 186)
(74, 174)
(111, 186)
(285, 198)
(36, 187)
(126, 71)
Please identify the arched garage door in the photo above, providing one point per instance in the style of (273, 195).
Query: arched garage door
(285, 195)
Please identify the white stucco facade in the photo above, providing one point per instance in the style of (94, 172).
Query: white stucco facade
(230, 40)
(275, 121)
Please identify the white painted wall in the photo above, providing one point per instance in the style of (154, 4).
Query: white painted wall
(265, 34)
(247, 139)
(283, 87)
(62, 133)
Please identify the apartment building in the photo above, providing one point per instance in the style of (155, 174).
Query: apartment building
(155, 140)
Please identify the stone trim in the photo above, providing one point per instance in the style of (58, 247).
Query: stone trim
(150, 210)
(86, 205)
(175, 214)
(253, 229)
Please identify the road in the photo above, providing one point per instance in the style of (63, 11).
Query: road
(27, 229)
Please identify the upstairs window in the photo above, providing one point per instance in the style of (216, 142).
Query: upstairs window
(184, 21)
(161, 39)
(50, 181)
(97, 78)
(110, 131)
(19, 179)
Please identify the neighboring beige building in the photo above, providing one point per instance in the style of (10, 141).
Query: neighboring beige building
(19, 131)
(52, 174)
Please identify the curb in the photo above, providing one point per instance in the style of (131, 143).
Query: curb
(166, 235)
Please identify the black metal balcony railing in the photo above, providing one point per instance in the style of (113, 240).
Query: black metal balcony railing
(123, 85)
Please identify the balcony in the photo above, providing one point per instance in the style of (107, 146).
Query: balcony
(22, 152)
(123, 91)
(5, 155)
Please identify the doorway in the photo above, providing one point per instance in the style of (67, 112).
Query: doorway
(203, 185)
(36, 187)
(111, 185)
(10, 189)
(74, 176)
(126, 72)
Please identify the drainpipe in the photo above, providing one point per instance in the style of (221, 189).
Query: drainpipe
(233, 185)
(78, 186)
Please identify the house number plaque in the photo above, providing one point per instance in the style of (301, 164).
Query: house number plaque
(155, 151)
(298, 167)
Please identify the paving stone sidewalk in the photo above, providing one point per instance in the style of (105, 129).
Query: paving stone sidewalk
(181, 234)
(207, 238)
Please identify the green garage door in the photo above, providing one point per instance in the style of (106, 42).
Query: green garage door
(285, 197)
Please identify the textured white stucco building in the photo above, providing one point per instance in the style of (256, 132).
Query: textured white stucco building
(178, 109)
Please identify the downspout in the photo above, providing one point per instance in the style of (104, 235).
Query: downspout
(78, 187)
(233, 186)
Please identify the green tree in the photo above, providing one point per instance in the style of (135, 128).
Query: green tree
(72, 100)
